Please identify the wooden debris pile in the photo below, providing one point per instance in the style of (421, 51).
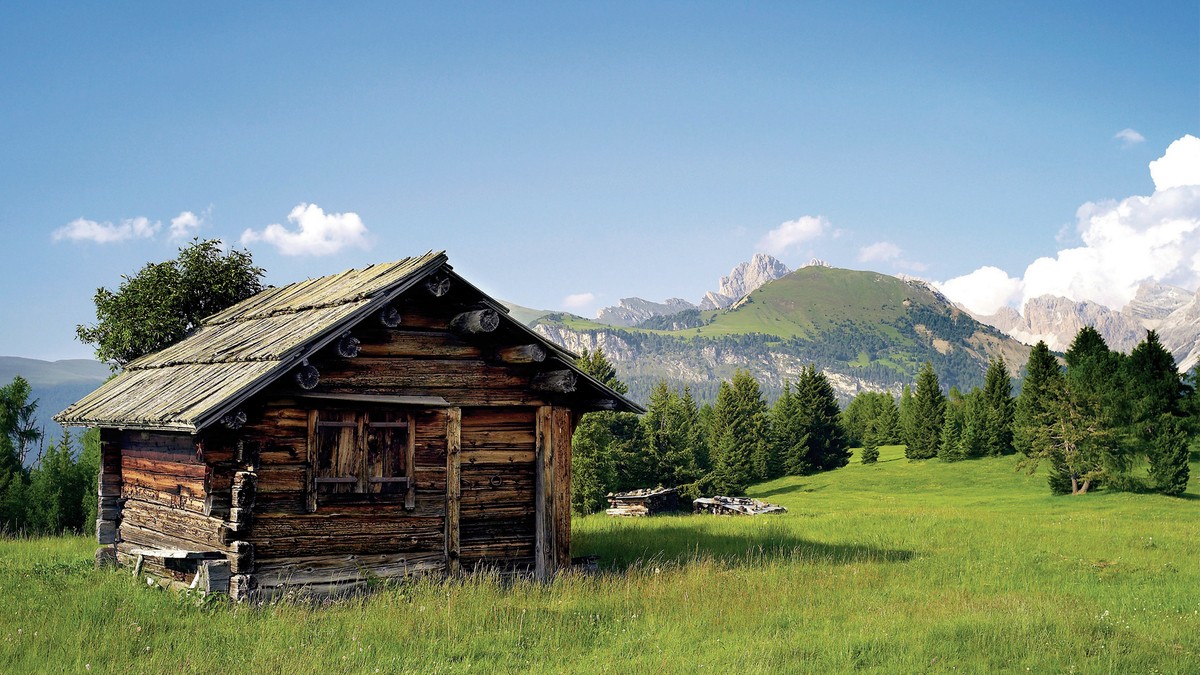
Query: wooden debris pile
(644, 502)
(734, 506)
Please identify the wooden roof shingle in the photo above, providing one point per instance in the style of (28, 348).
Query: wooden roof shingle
(238, 351)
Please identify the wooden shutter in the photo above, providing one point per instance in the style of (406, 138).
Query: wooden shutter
(338, 467)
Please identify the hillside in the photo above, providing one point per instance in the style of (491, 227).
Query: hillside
(55, 384)
(867, 331)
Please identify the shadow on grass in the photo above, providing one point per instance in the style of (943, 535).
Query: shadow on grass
(787, 489)
(685, 542)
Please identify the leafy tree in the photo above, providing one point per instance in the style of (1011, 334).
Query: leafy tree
(1032, 413)
(928, 414)
(165, 301)
(740, 435)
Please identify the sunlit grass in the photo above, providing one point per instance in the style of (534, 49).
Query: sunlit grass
(894, 567)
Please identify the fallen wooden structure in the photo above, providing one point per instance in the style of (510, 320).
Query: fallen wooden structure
(734, 506)
(644, 502)
(373, 424)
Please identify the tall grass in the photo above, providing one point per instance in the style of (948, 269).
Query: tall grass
(894, 567)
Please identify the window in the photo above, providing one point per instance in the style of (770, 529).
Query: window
(359, 456)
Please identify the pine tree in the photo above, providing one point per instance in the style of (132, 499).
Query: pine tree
(667, 431)
(1156, 403)
(697, 433)
(607, 447)
(1032, 411)
(740, 433)
(928, 413)
(817, 407)
(1169, 470)
(56, 491)
(950, 446)
(1000, 409)
(907, 417)
(790, 434)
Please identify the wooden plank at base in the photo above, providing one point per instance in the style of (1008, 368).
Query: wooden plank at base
(453, 487)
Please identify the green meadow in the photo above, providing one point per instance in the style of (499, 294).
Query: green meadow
(895, 567)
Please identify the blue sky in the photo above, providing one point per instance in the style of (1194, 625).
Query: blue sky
(567, 155)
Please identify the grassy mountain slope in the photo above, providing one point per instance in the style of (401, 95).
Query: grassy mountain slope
(865, 330)
(55, 384)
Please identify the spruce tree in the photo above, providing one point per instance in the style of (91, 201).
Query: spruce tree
(740, 432)
(950, 445)
(817, 407)
(1031, 416)
(607, 447)
(1169, 454)
(907, 417)
(1156, 403)
(1000, 408)
(928, 413)
(790, 434)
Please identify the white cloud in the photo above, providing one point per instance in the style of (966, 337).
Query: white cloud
(983, 291)
(793, 233)
(82, 229)
(185, 225)
(578, 300)
(1179, 165)
(318, 233)
(1129, 137)
(879, 251)
(1124, 243)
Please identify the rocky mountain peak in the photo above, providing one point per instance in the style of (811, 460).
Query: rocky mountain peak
(743, 280)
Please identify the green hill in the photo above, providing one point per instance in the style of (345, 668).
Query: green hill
(865, 330)
(55, 384)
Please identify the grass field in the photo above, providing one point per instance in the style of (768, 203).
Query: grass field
(897, 567)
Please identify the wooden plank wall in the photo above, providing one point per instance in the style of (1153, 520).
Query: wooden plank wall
(165, 485)
(497, 496)
(336, 547)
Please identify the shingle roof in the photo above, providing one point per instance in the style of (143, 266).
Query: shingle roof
(237, 351)
(240, 350)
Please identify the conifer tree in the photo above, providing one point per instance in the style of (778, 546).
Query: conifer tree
(740, 435)
(697, 433)
(1043, 377)
(667, 431)
(1000, 408)
(790, 434)
(607, 447)
(907, 416)
(817, 408)
(950, 446)
(928, 414)
(1156, 393)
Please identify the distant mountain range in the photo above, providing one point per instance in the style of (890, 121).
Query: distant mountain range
(55, 384)
(866, 331)
(1171, 311)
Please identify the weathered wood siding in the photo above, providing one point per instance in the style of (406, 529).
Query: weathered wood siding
(165, 486)
(498, 474)
(340, 544)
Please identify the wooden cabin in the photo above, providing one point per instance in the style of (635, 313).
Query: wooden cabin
(376, 423)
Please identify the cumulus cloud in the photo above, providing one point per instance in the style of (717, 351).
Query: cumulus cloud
(316, 233)
(578, 300)
(1125, 243)
(184, 225)
(983, 291)
(1129, 137)
(1179, 165)
(82, 229)
(793, 233)
(879, 251)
